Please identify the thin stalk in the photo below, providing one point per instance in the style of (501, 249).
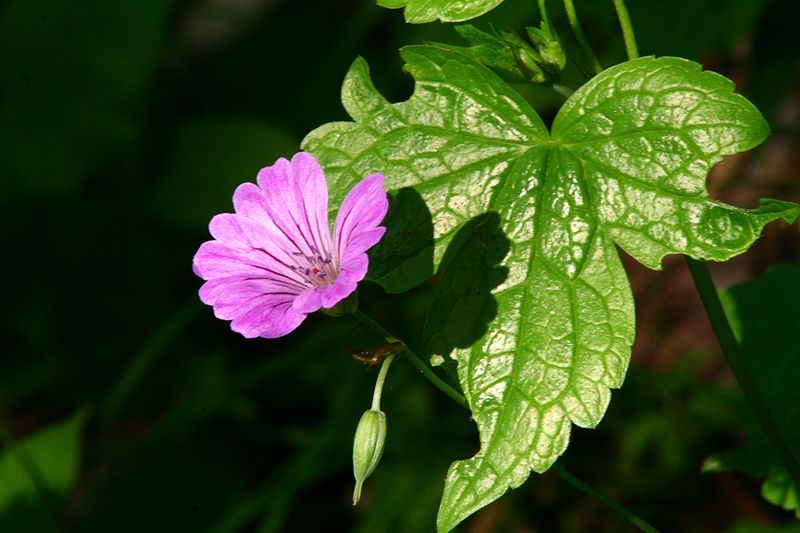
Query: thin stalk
(543, 11)
(414, 359)
(627, 29)
(735, 357)
(376, 394)
(453, 394)
(577, 29)
(606, 499)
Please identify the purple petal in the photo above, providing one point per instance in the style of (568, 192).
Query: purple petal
(346, 282)
(244, 300)
(309, 301)
(215, 260)
(272, 249)
(268, 321)
(357, 224)
(296, 197)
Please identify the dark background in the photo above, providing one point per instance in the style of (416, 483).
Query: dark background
(125, 125)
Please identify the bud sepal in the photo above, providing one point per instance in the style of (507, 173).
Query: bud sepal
(367, 447)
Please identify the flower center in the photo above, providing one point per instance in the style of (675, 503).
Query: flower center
(317, 270)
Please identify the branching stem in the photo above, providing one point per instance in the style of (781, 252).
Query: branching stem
(458, 398)
(414, 359)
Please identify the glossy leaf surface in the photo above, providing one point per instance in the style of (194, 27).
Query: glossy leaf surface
(625, 164)
(417, 11)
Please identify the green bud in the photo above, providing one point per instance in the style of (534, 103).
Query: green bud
(527, 62)
(527, 58)
(367, 447)
(549, 46)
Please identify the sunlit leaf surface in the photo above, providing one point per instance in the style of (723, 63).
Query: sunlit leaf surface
(625, 164)
(417, 11)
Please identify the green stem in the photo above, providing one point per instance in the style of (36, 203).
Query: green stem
(575, 24)
(414, 359)
(603, 497)
(627, 29)
(376, 394)
(453, 394)
(736, 360)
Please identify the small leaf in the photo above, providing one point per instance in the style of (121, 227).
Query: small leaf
(418, 11)
(764, 313)
(780, 490)
(52, 453)
(491, 51)
(626, 164)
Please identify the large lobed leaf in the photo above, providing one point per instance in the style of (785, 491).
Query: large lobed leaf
(626, 163)
(417, 11)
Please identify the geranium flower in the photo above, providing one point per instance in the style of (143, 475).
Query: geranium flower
(274, 261)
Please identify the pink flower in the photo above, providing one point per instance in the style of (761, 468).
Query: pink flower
(274, 261)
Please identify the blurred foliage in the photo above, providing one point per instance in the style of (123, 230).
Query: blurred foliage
(764, 314)
(124, 127)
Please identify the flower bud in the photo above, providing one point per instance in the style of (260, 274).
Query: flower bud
(525, 55)
(549, 47)
(367, 447)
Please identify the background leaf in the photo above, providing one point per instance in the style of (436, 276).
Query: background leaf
(38, 472)
(764, 313)
(626, 164)
(417, 11)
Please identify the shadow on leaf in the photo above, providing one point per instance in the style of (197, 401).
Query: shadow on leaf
(463, 304)
(404, 257)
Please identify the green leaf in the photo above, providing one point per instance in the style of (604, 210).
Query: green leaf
(764, 313)
(46, 461)
(626, 164)
(491, 51)
(418, 11)
(779, 489)
(453, 157)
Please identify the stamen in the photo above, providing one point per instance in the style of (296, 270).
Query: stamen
(318, 270)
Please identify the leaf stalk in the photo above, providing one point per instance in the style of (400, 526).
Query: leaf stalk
(735, 357)
(627, 29)
(458, 398)
(577, 29)
(414, 359)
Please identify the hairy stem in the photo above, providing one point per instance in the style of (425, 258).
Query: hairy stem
(735, 358)
(414, 359)
(376, 394)
(575, 24)
(627, 29)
